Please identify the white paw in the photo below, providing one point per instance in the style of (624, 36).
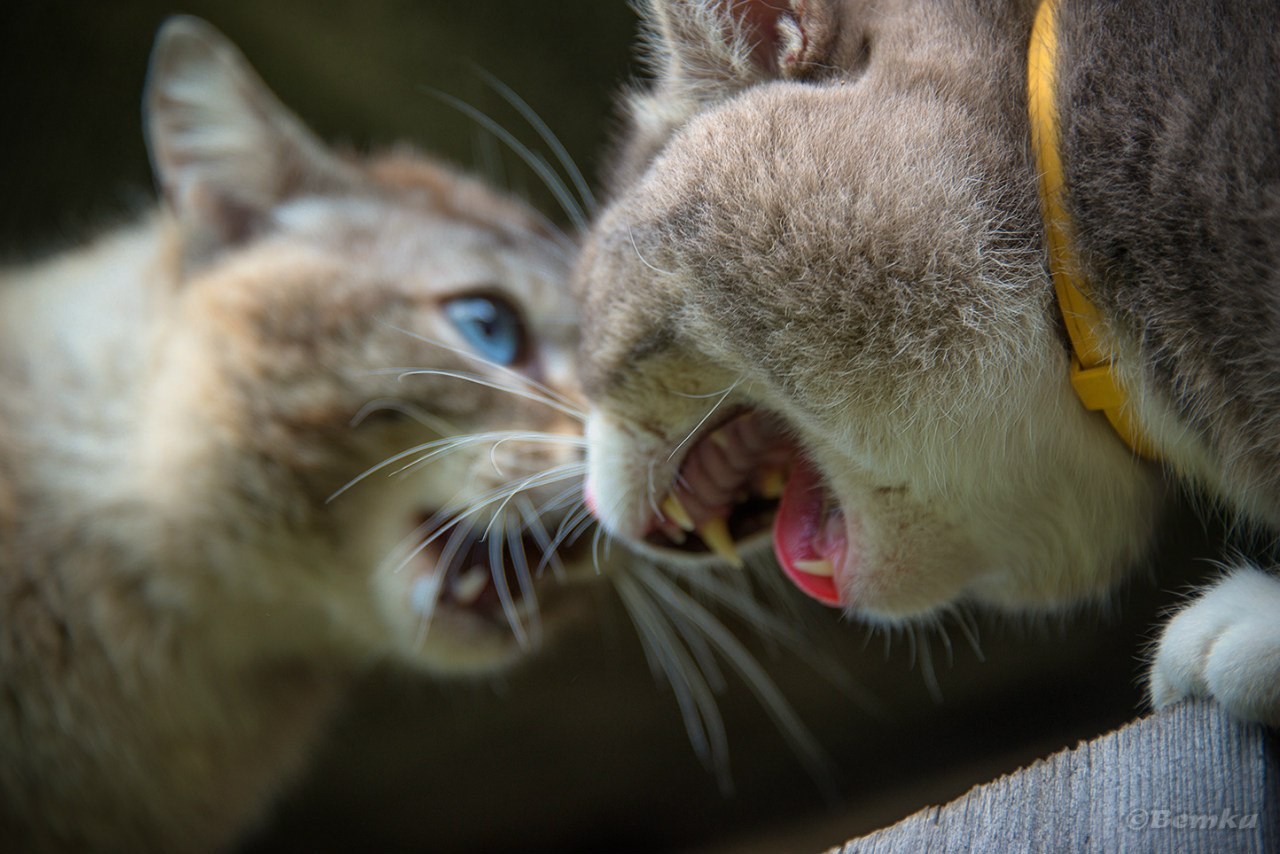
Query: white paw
(1225, 645)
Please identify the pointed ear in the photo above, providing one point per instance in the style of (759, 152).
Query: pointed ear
(224, 150)
(712, 48)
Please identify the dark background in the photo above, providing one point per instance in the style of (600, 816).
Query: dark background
(582, 750)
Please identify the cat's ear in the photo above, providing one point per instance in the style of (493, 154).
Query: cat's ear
(708, 49)
(224, 150)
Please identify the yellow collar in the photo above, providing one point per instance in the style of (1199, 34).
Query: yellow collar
(1093, 373)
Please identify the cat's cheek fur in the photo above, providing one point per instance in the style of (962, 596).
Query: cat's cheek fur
(619, 468)
(1225, 644)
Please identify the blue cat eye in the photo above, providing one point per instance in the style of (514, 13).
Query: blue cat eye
(490, 325)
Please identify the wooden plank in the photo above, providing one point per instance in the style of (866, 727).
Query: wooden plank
(1188, 779)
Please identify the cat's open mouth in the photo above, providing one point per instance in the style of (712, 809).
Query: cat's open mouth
(468, 572)
(742, 477)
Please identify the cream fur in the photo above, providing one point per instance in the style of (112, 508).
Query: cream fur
(182, 604)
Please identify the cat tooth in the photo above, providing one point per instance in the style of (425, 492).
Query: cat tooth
(674, 510)
(715, 533)
(674, 533)
(425, 591)
(816, 567)
(772, 483)
(720, 439)
(468, 586)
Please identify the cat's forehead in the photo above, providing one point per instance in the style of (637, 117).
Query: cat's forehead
(407, 241)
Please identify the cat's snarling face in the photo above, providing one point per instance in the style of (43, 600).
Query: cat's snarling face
(351, 354)
(817, 267)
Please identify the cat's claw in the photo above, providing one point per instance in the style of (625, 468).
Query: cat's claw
(1226, 645)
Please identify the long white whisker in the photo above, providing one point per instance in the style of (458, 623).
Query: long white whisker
(534, 525)
(570, 523)
(457, 541)
(447, 445)
(427, 419)
(698, 426)
(520, 562)
(756, 679)
(561, 534)
(547, 135)
(442, 447)
(551, 475)
(505, 370)
(427, 541)
(703, 723)
(497, 568)
(770, 626)
(539, 166)
(969, 628)
(405, 373)
(572, 495)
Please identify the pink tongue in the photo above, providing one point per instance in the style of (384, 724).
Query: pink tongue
(805, 530)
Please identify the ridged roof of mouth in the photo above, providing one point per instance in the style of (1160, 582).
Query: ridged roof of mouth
(741, 476)
(727, 486)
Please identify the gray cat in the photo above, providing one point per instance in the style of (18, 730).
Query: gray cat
(824, 275)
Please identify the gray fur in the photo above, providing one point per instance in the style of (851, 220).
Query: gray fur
(848, 235)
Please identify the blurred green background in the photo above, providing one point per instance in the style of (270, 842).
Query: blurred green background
(71, 75)
(583, 750)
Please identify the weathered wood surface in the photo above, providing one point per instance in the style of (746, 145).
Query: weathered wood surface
(1185, 780)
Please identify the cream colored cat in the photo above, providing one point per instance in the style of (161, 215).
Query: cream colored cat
(191, 568)
(825, 258)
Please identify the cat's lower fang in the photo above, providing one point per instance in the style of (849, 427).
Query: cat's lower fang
(676, 512)
(426, 592)
(468, 586)
(816, 567)
(715, 534)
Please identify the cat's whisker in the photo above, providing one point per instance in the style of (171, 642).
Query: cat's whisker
(563, 531)
(520, 562)
(723, 397)
(643, 260)
(547, 135)
(448, 444)
(531, 159)
(444, 447)
(422, 545)
(926, 670)
(460, 539)
(707, 395)
(572, 525)
(411, 544)
(534, 525)
(403, 373)
(497, 570)
(969, 627)
(572, 495)
(427, 419)
(702, 721)
(651, 492)
(505, 370)
(510, 490)
(755, 677)
(595, 549)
